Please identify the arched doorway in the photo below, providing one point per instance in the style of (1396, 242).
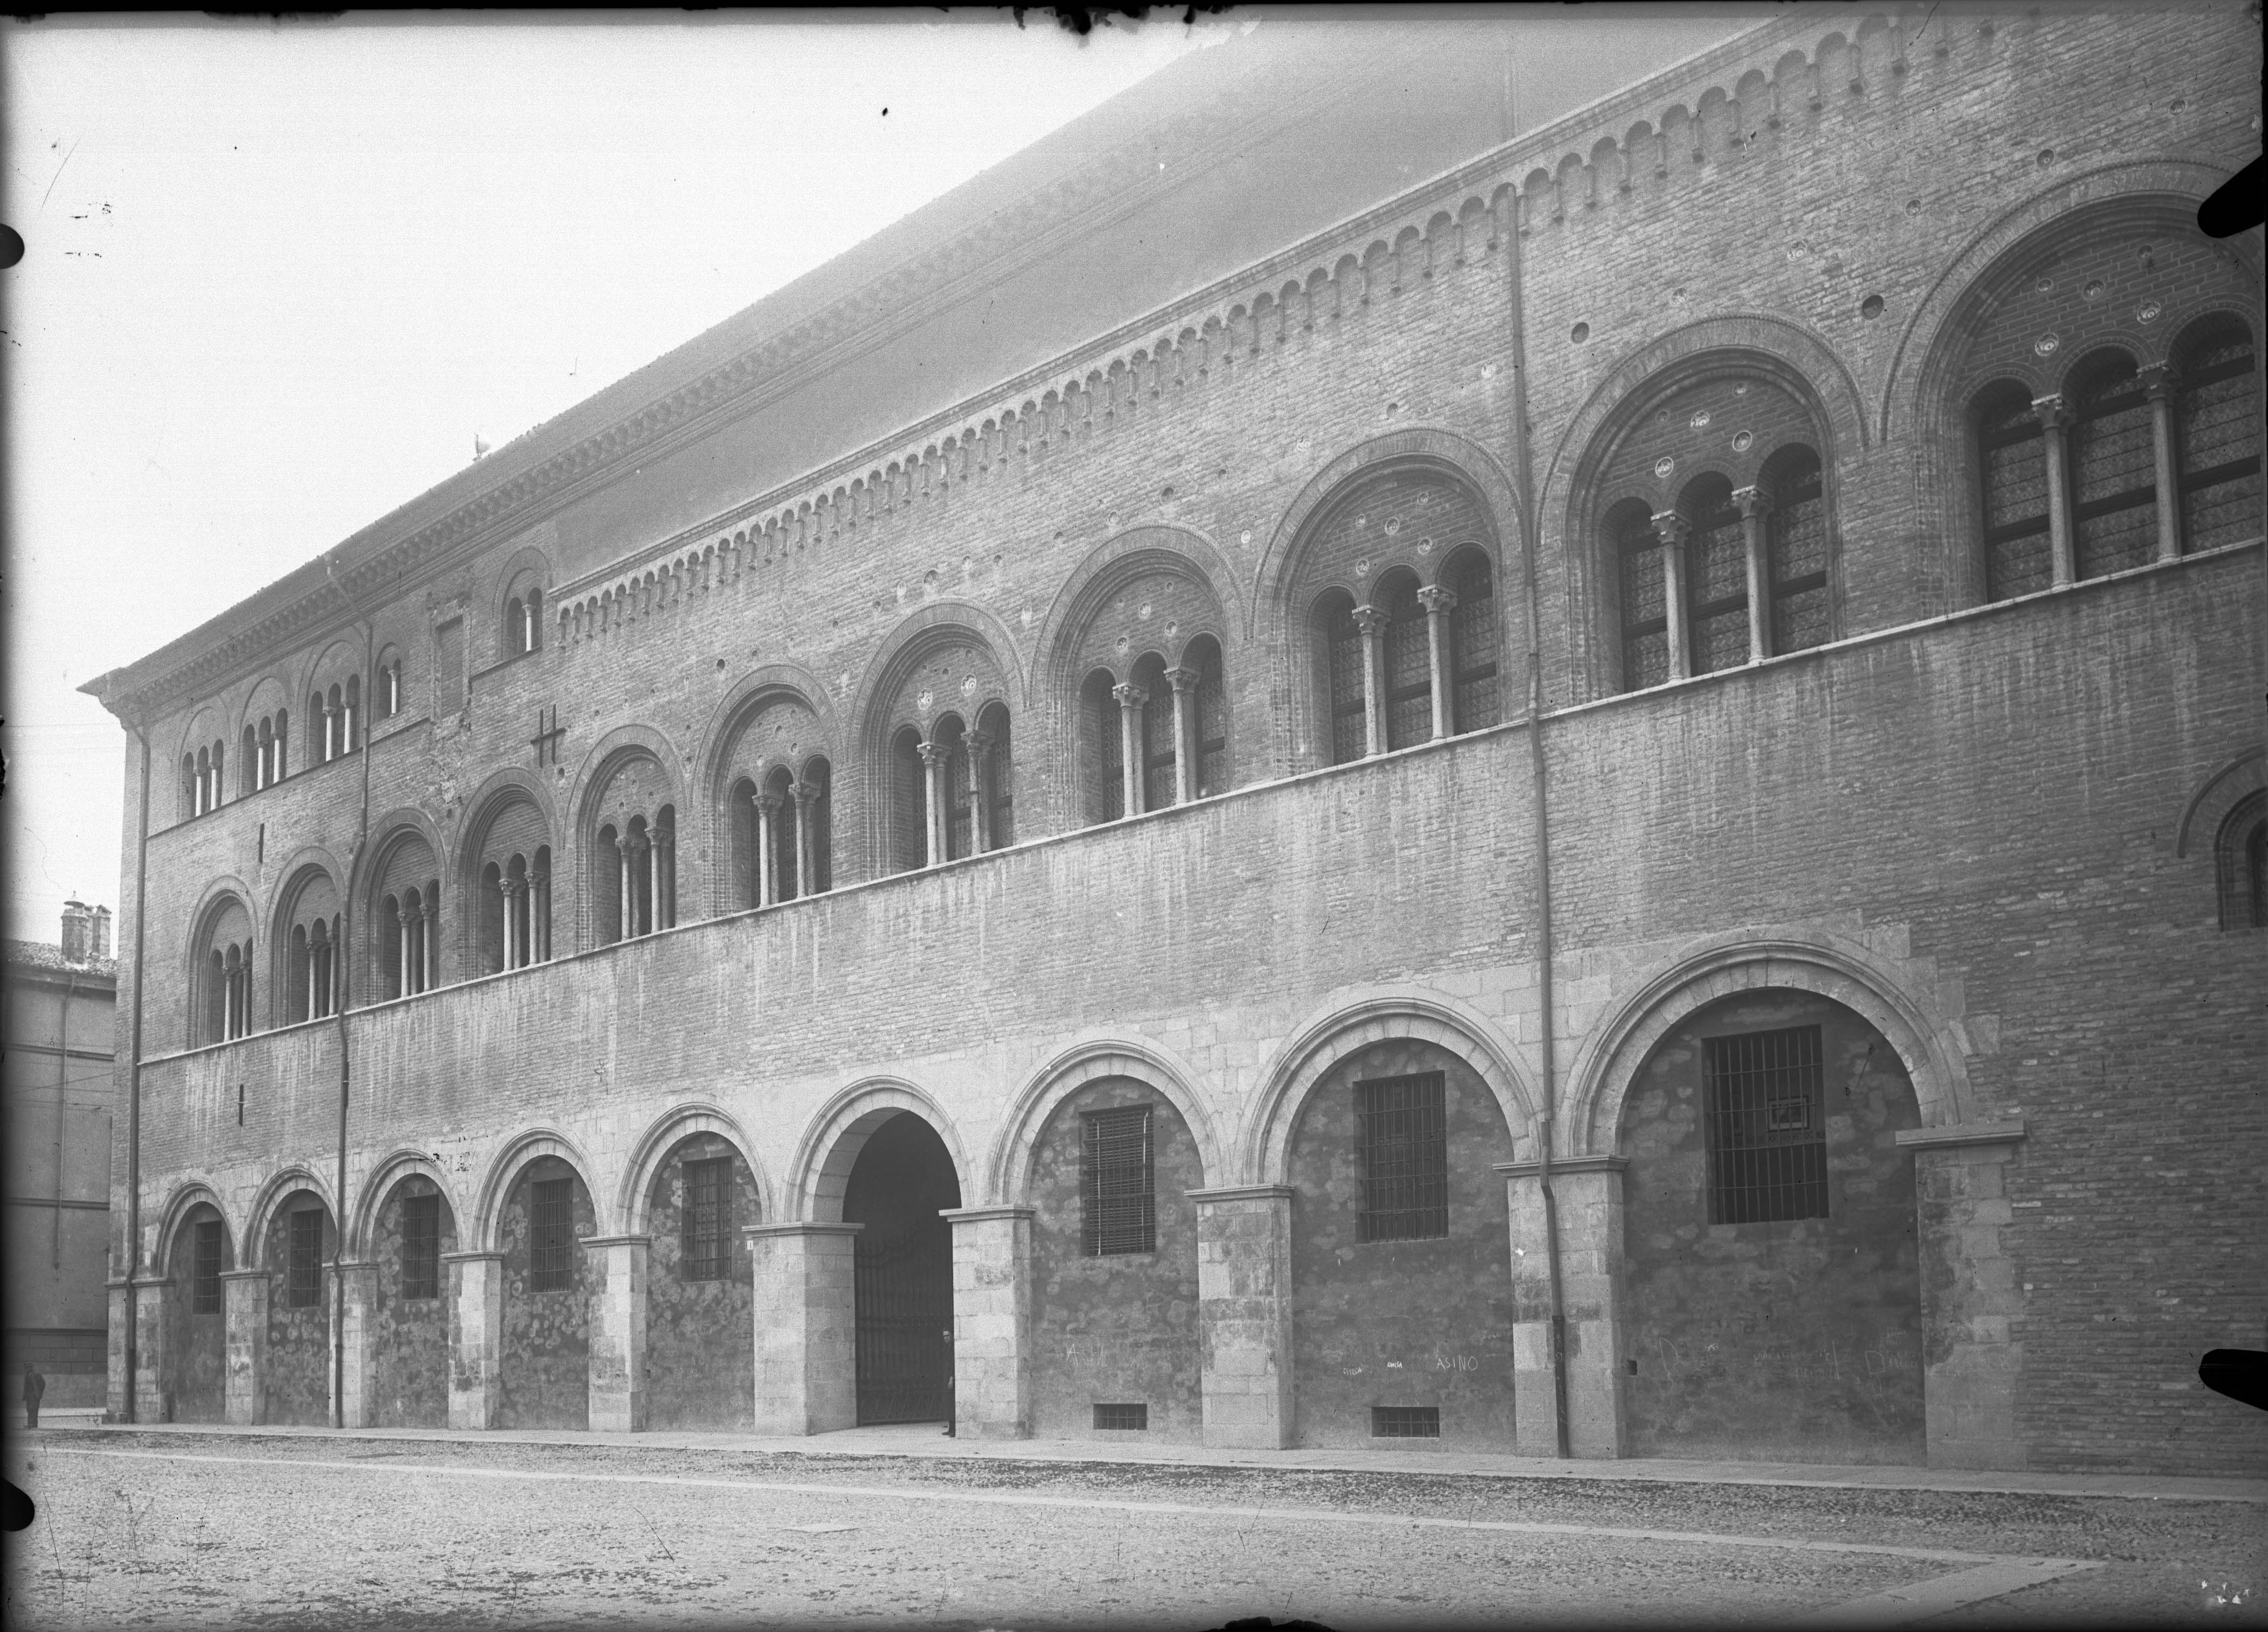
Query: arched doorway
(1772, 1273)
(902, 1180)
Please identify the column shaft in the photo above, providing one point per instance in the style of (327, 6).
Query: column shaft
(1755, 510)
(1673, 529)
(991, 1322)
(1184, 682)
(2053, 420)
(767, 863)
(2158, 380)
(618, 1387)
(1371, 623)
(1131, 748)
(1244, 1315)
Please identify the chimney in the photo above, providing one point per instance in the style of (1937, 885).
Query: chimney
(102, 932)
(78, 932)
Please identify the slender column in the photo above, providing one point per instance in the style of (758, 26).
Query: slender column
(244, 1325)
(664, 875)
(1438, 600)
(1184, 682)
(1370, 623)
(2055, 419)
(1589, 1194)
(933, 758)
(624, 862)
(991, 1322)
(330, 733)
(429, 936)
(806, 1327)
(1756, 508)
(1131, 748)
(401, 954)
(1244, 1314)
(475, 1337)
(538, 915)
(979, 744)
(654, 894)
(152, 1353)
(311, 1011)
(504, 894)
(618, 1387)
(767, 863)
(359, 1341)
(1972, 1311)
(1672, 530)
(807, 874)
(2158, 381)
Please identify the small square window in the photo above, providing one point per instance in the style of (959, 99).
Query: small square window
(1405, 1421)
(1122, 1418)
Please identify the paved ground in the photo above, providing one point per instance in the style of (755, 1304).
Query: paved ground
(244, 1528)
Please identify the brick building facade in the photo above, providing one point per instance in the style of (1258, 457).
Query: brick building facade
(1064, 823)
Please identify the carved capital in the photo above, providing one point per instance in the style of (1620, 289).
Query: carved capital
(1130, 695)
(1754, 501)
(1183, 679)
(2158, 380)
(2052, 411)
(806, 792)
(1437, 598)
(933, 753)
(1672, 528)
(770, 803)
(978, 743)
(1371, 621)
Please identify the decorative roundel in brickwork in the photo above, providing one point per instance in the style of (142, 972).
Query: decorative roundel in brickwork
(637, 786)
(2046, 344)
(1700, 419)
(956, 676)
(2044, 286)
(2148, 312)
(1158, 610)
(1580, 333)
(1871, 307)
(784, 731)
(1665, 467)
(2095, 289)
(1743, 440)
(1730, 424)
(1403, 518)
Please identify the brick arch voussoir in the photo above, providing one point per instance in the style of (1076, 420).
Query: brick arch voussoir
(376, 1189)
(2217, 793)
(1835, 967)
(1109, 563)
(633, 1201)
(607, 756)
(1008, 1164)
(486, 1229)
(1353, 1021)
(185, 1197)
(830, 1145)
(252, 1250)
(750, 696)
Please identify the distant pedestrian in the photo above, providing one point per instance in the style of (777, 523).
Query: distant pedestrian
(34, 1385)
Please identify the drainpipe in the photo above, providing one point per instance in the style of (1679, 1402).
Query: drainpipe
(341, 961)
(1524, 477)
(62, 1096)
(133, 1085)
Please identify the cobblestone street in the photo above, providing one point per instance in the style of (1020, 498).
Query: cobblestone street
(156, 1529)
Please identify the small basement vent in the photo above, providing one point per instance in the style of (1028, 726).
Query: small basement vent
(1405, 1421)
(1122, 1417)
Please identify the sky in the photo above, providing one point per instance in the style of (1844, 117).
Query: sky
(278, 277)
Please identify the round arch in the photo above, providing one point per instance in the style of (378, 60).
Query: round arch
(1352, 1022)
(1836, 967)
(490, 798)
(370, 1196)
(370, 864)
(1007, 1170)
(609, 754)
(479, 1233)
(528, 560)
(186, 1195)
(663, 1135)
(251, 1253)
(830, 1145)
(2217, 793)
(750, 696)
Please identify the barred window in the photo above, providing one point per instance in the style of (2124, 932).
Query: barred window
(1409, 663)
(1118, 1208)
(421, 1247)
(1645, 617)
(303, 1281)
(1342, 642)
(2013, 470)
(707, 1220)
(1160, 774)
(551, 1235)
(1796, 535)
(1405, 1421)
(1211, 719)
(1717, 576)
(1122, 1418)
(1105, 795)
(908, 802)
(2217, 419)
(1766, 1126)
(2114, 471)
(204, 1282)
(1473, 646)
(1406, 1158)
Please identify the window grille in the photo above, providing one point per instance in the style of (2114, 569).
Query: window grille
(1716, 583)
(204, 1283)
(1645, 619)
(1406, 1158)
(1795, 532)
(551, 1236)
(707, 1220)
(421, 1247)
(303, 1284)
(909, 803)
(2011, 465)
(1349, 732)
(1212, 725)
(1473, 650)
(1766, 1125)
(2217, 419)
(1408, 663)
(2114, 468)
(1159, 779)
(1405, 1421)
(1122, 1418)
(960, 814)
(1000, 789)
(1118, 1210)
(1111, 737)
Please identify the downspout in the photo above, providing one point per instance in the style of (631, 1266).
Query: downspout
(62, 1096)
(1523, 477)
(134, 1088)
(342, 957)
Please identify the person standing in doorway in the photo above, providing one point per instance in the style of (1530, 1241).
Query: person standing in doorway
(34, 1385)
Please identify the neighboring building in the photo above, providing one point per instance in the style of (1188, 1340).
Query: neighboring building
(62, 1006)
(1030, 722)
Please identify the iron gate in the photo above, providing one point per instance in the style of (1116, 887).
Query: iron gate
(903, 1293)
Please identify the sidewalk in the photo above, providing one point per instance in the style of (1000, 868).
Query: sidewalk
(928, 1441)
